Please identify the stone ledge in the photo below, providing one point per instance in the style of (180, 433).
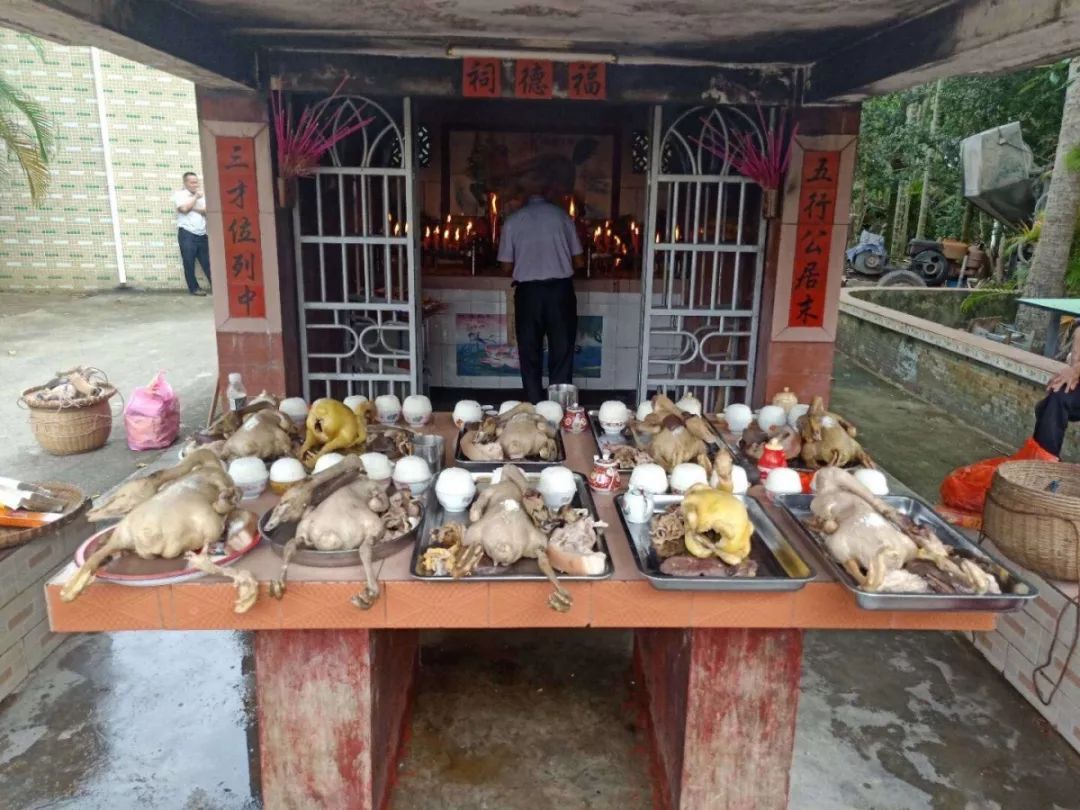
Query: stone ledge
(1009, 359)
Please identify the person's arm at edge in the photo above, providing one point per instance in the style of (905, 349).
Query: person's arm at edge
(185, 208)
(1069, 377)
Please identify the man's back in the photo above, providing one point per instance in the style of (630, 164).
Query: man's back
(540, 241)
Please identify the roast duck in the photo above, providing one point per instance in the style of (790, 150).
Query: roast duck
(885, 551)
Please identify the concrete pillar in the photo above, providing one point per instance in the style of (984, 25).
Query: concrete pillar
(794, 352)
(720, 705)
(251, 344)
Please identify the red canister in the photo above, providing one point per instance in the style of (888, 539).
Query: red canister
(772, 457)
(575, 420)
(605, 474)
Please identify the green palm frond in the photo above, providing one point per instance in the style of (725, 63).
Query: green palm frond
(26, 134)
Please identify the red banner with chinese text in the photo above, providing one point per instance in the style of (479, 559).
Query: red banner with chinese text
(587, 81)
(817, 212)
(238, 186)
(481, 78)
(534, 78)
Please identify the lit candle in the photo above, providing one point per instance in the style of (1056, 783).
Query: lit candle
(573, 210)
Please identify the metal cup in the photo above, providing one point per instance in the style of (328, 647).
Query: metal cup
(563, 393)
(430, 449)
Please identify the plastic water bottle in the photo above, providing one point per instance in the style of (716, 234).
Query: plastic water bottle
(235, 395)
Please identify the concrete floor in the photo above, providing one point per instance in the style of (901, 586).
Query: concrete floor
(511, 720)
(130, 336)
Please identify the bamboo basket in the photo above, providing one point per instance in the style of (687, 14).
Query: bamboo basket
(1032, 526)
(69, 428)
(76, 503)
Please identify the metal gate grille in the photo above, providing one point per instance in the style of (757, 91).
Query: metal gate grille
(701, 298)
(355, 255)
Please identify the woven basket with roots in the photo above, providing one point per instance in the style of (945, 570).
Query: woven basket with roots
(73, 425)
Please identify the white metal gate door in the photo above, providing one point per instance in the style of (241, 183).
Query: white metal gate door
(703, 262)
(355, 228)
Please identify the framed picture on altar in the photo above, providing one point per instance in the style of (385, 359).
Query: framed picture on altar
(479, 164)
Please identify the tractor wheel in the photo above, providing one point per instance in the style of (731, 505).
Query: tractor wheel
(932, 266)
(901, 278)
(869, 264)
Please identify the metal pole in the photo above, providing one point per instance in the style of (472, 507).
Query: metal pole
(106, 153)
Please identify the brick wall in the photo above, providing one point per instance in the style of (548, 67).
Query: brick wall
(25, 638)
(1024, 640)
(68, 243)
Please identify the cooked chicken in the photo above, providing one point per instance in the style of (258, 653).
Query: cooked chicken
(266, 434)
(185, 518)
(518, 434)
(829, 440)
(717, 525)
(350, 518)
(676, 437)
(135, 492)
(314, 489)
(507, 534)
(511, 485)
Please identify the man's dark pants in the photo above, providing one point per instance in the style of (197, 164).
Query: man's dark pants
(1052, 417)
(545, 308)
(194, 247)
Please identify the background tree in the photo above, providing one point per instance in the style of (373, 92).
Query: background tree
(26, 138)
(1046, 277)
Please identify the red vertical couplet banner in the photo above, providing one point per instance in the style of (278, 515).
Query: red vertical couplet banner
(481, 78)
(534, 78)
(238, 184)
(817, 212)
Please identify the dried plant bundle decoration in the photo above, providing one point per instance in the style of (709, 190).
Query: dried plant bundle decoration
(304, 140)
(761, 154)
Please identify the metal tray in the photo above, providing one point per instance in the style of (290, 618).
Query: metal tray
(525, 569)
(780, 567)
(798, 506)
(283, 533)
(526, 465)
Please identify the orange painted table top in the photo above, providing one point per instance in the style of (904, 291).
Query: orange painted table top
(319, 597)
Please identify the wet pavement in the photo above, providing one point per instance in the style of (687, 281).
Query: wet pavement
(536, 720)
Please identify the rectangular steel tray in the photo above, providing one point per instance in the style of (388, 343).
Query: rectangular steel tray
(522, 570)
(798, 506)
(525, 464)
(780, 567)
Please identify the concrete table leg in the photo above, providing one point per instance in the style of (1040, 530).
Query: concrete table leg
(332, 707)
(721, 710)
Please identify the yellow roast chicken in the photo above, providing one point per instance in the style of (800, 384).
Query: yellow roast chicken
(331, 426)
(717, 525)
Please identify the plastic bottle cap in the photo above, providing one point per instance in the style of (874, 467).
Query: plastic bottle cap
(234, 377)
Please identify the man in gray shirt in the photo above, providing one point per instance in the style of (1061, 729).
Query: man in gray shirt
(540, 245)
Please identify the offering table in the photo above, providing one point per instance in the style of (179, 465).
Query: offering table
(720, 671)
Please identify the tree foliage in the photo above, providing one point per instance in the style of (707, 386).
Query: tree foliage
(893, 150)
(26, 136)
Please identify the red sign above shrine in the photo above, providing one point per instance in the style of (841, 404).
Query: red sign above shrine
(534, 78)
(817, 210)
(587, 81)
(239, 191)
(481, 78)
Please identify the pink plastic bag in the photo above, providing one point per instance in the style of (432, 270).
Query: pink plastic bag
(152, 415)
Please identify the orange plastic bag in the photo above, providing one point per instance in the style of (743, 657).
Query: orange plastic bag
(965, 488)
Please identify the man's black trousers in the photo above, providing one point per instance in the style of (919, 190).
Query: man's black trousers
(193, 247)
(1052, 417)
(545, 309)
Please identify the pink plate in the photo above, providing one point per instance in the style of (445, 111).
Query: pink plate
(128, 569)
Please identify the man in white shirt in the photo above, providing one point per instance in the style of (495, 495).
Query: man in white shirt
(191, 231)
(540, 245)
